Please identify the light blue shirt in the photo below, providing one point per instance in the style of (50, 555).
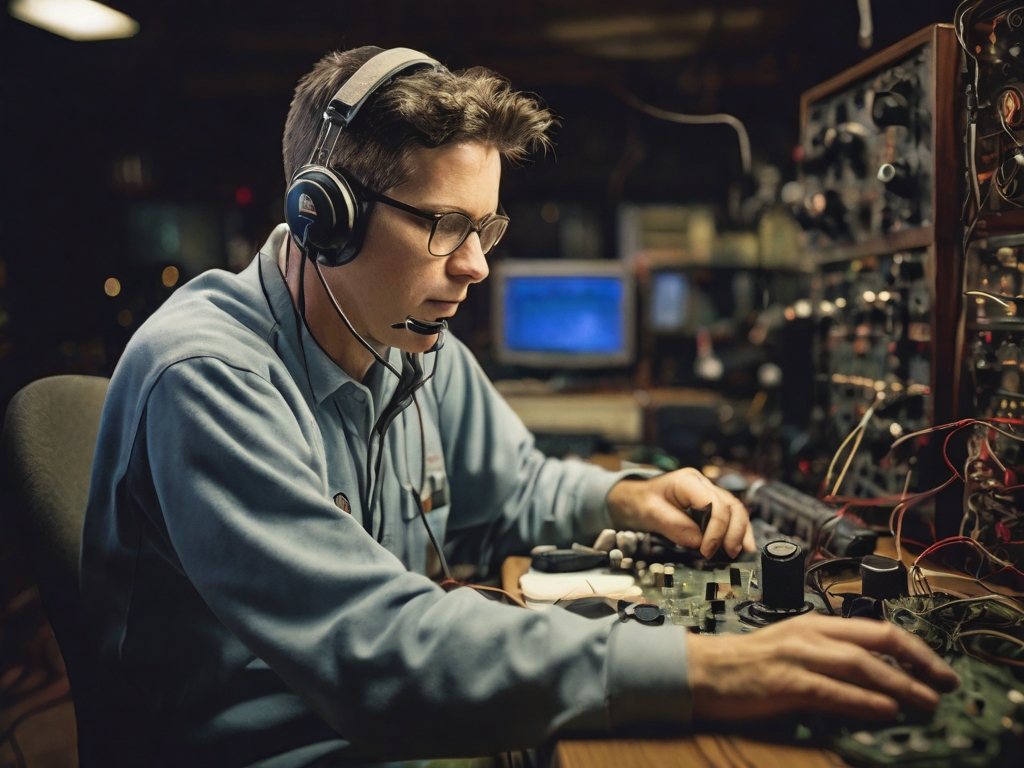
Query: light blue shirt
(253, 621)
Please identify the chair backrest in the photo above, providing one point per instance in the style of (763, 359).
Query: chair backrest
(48, 441)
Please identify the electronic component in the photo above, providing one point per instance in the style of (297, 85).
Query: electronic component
(566, 560)
(991, 33)
(782, 575)
(878, 198)
(868, 143)
(874, 360)
(811, 522)
(991, 363)
(882, 578)
(979, 724)
(782, 586)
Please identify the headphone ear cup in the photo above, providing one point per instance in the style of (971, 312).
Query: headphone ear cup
(360, 218)
(323, 211)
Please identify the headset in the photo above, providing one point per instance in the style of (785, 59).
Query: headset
(327, 216)
(324, 207)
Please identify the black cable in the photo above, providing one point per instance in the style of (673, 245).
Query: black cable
(375, 491)
(380, 429)
(354, 332)
(388, 415)
(300, 320)
(419, 495)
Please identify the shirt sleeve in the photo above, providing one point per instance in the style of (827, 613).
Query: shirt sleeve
(506, 495)
(392, 662)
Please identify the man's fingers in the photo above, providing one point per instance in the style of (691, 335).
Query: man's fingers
(679, 527)
(816, 664)
(827, 694)
(748, 539)
(906, 649)
(739, 522)
(727, 523)
(852, 664)
(801, 691)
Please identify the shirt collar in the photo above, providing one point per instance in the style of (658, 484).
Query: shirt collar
(325, 377)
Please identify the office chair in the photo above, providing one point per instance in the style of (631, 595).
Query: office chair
(49, 436)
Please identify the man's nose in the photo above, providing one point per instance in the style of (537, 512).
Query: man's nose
(468, 260)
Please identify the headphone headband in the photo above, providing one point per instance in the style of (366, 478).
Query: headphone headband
(374, 73)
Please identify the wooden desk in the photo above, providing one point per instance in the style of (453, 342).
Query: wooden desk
(706, 750)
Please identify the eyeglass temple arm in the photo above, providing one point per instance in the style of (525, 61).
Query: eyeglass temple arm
(378, 197)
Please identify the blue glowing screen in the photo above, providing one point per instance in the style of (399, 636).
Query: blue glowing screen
(571, 314)
(670, 301)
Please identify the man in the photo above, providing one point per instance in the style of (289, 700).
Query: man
(258, 532)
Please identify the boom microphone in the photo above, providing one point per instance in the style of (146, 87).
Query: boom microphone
(422, 327)
(425, 328)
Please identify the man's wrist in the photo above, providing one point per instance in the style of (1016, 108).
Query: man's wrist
(623, 507)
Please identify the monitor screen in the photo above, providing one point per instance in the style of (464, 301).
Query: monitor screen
(670, 301)
(564, 313)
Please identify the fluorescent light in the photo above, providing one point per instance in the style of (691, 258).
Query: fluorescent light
(75, 19)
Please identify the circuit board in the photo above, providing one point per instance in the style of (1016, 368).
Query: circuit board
(979, 724)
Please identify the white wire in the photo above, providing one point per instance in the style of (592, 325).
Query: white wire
(859, 432)
(678, 117)
(991, 296)
(866, 33)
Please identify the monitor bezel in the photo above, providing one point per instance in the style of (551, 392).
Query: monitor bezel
(512, 268)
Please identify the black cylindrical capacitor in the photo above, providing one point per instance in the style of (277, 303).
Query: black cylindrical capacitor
(882, 577)
(782, 575)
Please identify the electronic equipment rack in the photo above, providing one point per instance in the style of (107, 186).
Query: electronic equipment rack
(881, 177)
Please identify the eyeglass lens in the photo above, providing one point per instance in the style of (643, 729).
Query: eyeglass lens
(452, 229)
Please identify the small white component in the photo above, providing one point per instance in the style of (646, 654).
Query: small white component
(615, 559)
(626, 541)
(606, 540)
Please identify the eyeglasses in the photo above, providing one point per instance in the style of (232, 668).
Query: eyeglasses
(450, 229)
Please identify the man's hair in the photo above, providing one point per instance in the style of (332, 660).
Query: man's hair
(423, 108)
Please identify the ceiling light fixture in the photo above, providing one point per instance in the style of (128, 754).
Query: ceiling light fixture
(75, 19)
(695, 23)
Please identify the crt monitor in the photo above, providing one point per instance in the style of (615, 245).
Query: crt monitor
(563, 313)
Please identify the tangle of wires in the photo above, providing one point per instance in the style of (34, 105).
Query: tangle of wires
(991, 540)
(989, 34)
(988, 627)
(989, 550)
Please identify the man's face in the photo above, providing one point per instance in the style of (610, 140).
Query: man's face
(395, 275)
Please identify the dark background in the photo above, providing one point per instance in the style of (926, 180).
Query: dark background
(104, 143)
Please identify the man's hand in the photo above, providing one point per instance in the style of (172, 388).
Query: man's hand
(814, 663)
(660, 505)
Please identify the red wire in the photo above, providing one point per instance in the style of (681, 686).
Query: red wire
(940, 544)
(905, 502)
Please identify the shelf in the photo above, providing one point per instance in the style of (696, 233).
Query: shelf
(918, 237)
(1007, 325)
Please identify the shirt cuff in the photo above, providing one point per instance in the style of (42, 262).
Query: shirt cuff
(647, 675)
